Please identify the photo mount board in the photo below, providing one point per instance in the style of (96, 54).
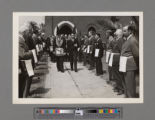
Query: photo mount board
(17, 100)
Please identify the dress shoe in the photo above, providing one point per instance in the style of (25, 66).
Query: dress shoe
(120, 92)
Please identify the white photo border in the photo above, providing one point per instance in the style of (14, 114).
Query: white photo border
(17, 100)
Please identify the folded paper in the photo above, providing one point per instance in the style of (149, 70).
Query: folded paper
(51, 48)
(122, 64)
(107, 56)
(111, 59)
(37, 48)
(97, 52)
(28, 65)
(34, 56)
(88, 49)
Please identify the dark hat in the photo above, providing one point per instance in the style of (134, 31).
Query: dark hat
(114, 19)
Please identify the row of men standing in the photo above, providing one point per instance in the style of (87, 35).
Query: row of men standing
(122, 43)
(30, 43)
(123, 46)
(93, 52)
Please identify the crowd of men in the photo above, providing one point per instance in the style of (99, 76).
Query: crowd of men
(121, 50)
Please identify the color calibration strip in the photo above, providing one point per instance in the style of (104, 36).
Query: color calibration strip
(73, 113)
(60, 111)
(54, 111)
(109, 111)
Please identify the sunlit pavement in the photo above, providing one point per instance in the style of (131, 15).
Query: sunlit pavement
(70, 84)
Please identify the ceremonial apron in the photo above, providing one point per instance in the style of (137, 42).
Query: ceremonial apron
(59, 51)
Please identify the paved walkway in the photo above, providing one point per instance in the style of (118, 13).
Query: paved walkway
(70, 84)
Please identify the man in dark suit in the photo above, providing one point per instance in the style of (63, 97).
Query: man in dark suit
(24, 79)
(72, 48)
(86, 40)
(92, 50)
(29, 40)
(98, 54)
(130, 49)
(109, 47)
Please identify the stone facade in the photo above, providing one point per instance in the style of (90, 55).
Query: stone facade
(80, 24)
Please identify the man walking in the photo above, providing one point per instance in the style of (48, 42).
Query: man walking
(72, 48)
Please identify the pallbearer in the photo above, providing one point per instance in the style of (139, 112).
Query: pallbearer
(98, 54)
(72, 48)
(91, 50)
(116, 51)
(84, 49)
(59, 49)
(110, 44)
(24, 54)
(130, 50)
(48, 44)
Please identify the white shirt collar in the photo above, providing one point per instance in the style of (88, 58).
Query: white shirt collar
(129, 36)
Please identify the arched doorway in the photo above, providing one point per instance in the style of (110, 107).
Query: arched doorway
(65, 30)
(65, 27)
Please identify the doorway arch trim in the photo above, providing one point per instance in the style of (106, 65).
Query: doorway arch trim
(60, 24)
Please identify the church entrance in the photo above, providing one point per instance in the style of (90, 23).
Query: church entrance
(65, 30)
(65, 27)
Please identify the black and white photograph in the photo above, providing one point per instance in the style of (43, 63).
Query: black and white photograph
(77, 57)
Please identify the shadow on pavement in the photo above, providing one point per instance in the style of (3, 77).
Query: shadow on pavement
(39, 90)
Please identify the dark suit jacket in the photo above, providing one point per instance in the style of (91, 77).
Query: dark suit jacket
(98, 45)
(111, 45)
(72, 46)
(135, 50)
(117, 47)
(130, 48)
(30, 42)
(24, 53)
(91, 42)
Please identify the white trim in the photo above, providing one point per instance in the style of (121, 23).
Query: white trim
(61, 23)
(112, 13)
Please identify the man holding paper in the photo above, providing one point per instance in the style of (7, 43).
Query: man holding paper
(129, 63)
(98, 54)
(24, 78)
(91, 50)
(116, 51)
(110, 44)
